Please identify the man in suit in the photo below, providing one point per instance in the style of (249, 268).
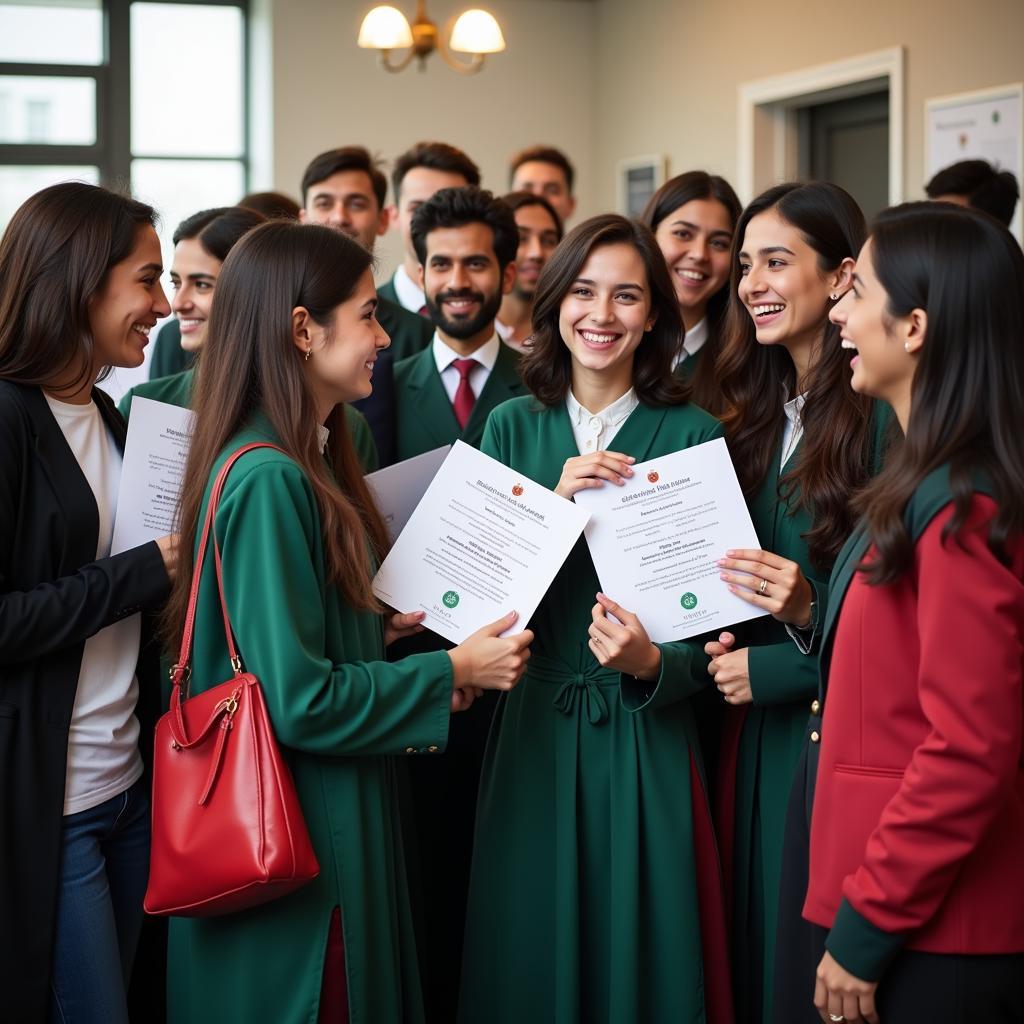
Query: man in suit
(545, 171)
(417, 175)
(540, 231)
(466, 243)
(344, 189)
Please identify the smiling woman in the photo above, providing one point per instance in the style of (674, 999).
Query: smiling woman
(79, 291)
(593, 854)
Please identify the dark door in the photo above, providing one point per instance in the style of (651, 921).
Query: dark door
(847, 142)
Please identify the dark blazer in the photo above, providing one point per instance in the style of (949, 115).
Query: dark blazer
(918, 819)
(409, 332)
(424, 417)
(54, 595)
(387, 291)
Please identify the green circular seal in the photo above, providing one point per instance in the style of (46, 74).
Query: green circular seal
(451, 599)
(688, 601)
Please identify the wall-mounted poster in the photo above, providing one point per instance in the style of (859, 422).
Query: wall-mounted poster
(639, 179)
(987, 125)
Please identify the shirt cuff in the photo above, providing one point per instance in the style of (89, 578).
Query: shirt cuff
(859, 946)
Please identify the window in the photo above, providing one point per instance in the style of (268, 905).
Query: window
(108, 91)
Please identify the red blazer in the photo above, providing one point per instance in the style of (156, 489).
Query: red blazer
(917, 831)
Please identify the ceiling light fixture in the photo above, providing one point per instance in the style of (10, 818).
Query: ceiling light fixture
(475, 32)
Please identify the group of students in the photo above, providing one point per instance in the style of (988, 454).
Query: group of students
(816, 816)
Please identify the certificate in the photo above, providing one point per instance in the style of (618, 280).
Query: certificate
(655, 541)
(482, 542)
(154, 464)
(397, 489)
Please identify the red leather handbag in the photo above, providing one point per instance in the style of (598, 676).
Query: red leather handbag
(228, 831)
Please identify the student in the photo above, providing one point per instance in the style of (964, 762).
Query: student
(978, 184)
(693, 217)
(801, 446)
(594, 864)
(201, 244)
(79, 292)
(296, 337)
(919, 903)
(545, 171)
(466, 241)
(344, 189)
(418, 173)
(540, 231)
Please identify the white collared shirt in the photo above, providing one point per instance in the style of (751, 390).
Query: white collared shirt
(409, 293)
(693, 342)
(444, 355)
(793, 429)
(323, 435)
(594, 431)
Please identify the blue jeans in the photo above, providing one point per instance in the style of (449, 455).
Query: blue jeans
(104, 865)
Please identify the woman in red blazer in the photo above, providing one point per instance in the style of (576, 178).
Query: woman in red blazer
(917, 832)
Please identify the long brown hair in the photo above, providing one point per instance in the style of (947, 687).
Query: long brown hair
(250, 364)
(966, 272)
(835, 458)
(54, 258)
(546, 368)
(676, 192)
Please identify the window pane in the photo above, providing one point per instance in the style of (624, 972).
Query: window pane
(66, 32)
(18, 183)
(52, 111)
(186, 80)
(179, 188)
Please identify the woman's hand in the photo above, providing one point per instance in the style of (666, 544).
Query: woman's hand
(626, 647)
(489, 661)
(838, 995)
(169, 553)
(729, 669)
(767, 581)
(398, 625)
(583, 471)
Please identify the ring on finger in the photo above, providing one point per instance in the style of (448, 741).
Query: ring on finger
(836, 1018)
(764, 586)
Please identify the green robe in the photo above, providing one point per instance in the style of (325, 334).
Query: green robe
(424, 417)
(783, 683)
(168, 355)
(339, 713)
(583, 893)
(409, 332)
(177, 390)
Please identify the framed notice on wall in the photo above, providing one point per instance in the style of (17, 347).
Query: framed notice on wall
(639, 179)
(986, 125)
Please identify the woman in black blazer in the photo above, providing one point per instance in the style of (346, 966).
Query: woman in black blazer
(79, 289)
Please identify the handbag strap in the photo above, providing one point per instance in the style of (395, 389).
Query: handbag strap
(180, 670)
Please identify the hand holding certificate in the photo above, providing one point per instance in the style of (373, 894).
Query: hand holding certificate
(483, 540)
(655, 541)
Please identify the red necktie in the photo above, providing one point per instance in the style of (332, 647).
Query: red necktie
(424, 311)
(464, 397)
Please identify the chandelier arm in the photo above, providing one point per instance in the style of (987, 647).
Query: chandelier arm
(476, 61)
(385, 60)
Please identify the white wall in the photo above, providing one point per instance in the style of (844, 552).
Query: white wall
(326, 92)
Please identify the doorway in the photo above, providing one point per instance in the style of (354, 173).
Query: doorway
(847, 142)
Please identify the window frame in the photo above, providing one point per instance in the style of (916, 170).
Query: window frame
(112, 153)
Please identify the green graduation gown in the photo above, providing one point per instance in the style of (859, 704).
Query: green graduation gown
(339, 713)
(584, 892)
(424, 418)
(177, 390)
(168, 355)
(762, 744)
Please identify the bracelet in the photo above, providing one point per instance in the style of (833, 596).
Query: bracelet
(811, 622)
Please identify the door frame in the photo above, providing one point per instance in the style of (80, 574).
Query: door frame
(768, 114)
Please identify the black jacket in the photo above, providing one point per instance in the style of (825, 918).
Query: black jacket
(54, 595)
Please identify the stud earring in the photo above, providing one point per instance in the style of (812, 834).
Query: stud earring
(906, 346)
(309, 352)
(834, 296)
